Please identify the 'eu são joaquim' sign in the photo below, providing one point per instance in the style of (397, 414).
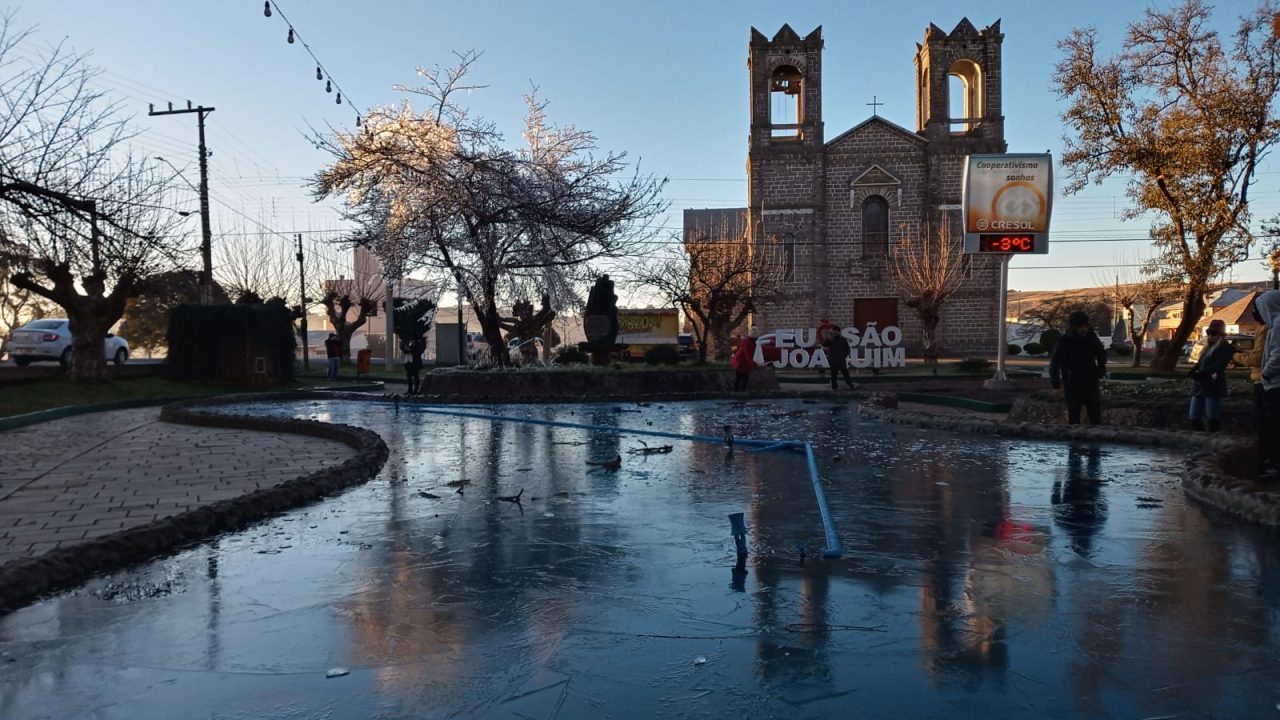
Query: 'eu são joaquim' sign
(871, 347)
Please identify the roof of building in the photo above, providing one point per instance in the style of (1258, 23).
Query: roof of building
(1237, 312)
(876, 119)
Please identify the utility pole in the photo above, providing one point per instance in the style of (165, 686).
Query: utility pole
(206, 245)
(302, 289)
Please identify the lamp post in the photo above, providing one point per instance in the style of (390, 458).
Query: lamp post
(1274, 260)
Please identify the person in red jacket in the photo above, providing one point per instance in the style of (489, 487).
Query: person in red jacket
(744, 361)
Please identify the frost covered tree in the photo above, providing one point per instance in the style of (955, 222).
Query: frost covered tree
(442, 188)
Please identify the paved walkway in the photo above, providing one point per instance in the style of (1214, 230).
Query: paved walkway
(87, 476)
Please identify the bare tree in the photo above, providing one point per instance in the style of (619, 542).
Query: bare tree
(1140, 295)
(503, 223)
(85, 224)
(928, 270)
(260, 265)
(717, 281)
(17, 306)
(1187, 122)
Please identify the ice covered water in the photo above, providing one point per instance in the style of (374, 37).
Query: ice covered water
(982, 577)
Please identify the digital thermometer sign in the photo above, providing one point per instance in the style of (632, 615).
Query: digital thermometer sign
(1006, 243)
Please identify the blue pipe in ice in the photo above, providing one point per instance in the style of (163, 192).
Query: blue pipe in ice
(833, 549)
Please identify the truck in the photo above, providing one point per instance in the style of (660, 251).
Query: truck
(642, 328)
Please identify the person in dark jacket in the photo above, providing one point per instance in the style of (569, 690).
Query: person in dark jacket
(1210, 379)
(837, 356)
(1079, 362)
(333, 352)
(413, 367)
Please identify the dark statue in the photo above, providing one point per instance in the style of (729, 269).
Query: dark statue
(600, 321)
(528, 325)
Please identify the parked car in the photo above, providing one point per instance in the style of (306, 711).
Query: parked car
(50, 340)
(1242, 343)
(688, 344)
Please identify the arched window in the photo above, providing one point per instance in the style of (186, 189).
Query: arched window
(875, 226)
(964, 95)
(786, 94)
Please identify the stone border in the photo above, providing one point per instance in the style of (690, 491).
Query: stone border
(1217, 481)
(23, 581)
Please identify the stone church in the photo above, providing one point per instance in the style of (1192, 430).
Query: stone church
(836, 208)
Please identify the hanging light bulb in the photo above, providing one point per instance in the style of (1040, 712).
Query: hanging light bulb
(290, 36)
(266, 8)
(319, 75)
(328, 86)
(338, 101)
(357, 121)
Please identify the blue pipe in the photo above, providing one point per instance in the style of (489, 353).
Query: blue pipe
(833, 549)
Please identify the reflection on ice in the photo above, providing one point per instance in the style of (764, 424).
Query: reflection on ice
(981, 578)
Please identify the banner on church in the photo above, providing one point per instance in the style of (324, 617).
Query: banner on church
(1008, 199)
(802, 348)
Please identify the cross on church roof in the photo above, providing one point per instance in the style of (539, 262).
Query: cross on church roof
(874, 104)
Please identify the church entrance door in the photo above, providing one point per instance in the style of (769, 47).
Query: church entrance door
(881, 311)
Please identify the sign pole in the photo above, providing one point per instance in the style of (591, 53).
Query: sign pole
(1002, 349)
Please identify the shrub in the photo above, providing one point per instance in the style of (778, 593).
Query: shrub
(974, 365)
(662, 355)
(571, 355)
(1033, 348)
(1015, 349)
(1049, 339)
(224, 342)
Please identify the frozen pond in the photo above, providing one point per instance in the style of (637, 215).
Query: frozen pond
(982, 577)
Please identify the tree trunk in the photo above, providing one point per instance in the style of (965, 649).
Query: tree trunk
(929, 324)
(88, 344)
(1192, 311)
(720, 334)
(1135, 336)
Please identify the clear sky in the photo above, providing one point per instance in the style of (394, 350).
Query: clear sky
(665, 81)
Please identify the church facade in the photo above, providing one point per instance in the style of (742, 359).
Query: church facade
(835, 209)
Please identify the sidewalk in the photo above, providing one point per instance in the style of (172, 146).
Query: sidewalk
(88, 476)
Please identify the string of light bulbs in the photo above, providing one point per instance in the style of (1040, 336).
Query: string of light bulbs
(321, 73)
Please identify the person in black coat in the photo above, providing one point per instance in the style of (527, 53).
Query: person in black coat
(838, 351)
(1079, 362)
(1210, 376)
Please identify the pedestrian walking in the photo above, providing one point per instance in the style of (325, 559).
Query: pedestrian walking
(1269, 310)
(744, 361)
(838, 350)
(1209, 379)
(1253, 360)
(1079, 363)
(333, 351)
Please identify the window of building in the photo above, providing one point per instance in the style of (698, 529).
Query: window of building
(786, 110)
(875, 226)
(964, 95)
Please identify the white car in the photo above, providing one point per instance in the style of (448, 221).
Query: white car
(50, 339)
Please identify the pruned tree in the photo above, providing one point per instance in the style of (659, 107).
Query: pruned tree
(928, 268)
(504, 223)
(86, 225)
(348, 298)
(717, 280)
(17, 306)
(1140, 295)
(1187, 122)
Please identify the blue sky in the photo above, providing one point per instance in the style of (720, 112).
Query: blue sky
(664, 81)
